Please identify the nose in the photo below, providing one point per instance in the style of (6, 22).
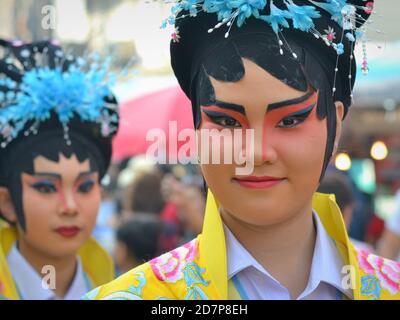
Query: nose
(68, 204)
(264, 146)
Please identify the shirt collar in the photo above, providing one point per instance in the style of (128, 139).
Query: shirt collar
(29, 282)
(326, 265)
(238, 257)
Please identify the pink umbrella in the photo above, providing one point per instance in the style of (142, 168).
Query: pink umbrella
(164, 109)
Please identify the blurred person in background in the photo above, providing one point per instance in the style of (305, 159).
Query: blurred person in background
(389, 245)
(107, 219)
(144, 194)
(171, 192)
(137, 241)
(337, 183)
(189, 201)
(138, 186)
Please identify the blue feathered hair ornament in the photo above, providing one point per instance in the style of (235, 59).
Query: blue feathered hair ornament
(302, 17)
(39, 80)
(349, 15)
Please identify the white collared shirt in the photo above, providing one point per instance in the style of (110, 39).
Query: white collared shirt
(29, 282)
(393, 223)
(253, 282)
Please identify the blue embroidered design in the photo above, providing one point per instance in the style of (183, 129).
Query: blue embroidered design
(140, 277)
(134, 292)
(92, 294)
(370, 287)
(192, 274)
(196, 293)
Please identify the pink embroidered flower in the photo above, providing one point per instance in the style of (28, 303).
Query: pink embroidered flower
(387, 271)
(169, 266)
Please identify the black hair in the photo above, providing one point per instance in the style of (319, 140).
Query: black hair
(141, 236)
(337, 184)
(146, 194)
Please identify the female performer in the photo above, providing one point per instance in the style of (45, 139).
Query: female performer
(284, 71)
(57, 119)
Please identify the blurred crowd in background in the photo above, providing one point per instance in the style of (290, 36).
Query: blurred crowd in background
(149, 209)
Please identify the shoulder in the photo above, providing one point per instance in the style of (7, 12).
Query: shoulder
(129, 286)
(164, 277)
(380, 278)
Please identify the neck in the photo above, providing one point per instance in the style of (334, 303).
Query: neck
(285, 249)
(65, 267)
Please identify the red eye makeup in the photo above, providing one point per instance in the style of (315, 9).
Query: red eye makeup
(227, 115)
(291, 113)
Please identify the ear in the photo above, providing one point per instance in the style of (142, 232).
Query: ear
(7, 209)
(339, 119)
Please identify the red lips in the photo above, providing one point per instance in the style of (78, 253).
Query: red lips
(255, 182)
(68, 232)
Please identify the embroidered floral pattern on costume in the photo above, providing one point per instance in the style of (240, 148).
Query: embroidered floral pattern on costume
(179, 264)
(371, 287)
(91, 295)
(134, 292)
(192, 275)
(387, 271)
(169, 267)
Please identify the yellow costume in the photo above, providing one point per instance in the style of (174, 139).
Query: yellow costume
(198, 269)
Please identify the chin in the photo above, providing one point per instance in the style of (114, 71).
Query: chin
(260, 216)
(68, 247)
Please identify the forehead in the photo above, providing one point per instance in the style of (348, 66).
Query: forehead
(257, 89)
(63, 166)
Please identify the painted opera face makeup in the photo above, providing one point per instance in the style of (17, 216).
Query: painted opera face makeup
(289, 147)
(60, 203)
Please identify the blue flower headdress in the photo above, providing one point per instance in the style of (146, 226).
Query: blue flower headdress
(349, 15)
(30, 94)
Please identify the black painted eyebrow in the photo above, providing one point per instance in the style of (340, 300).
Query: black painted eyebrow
(230, 106)
(290, 102)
